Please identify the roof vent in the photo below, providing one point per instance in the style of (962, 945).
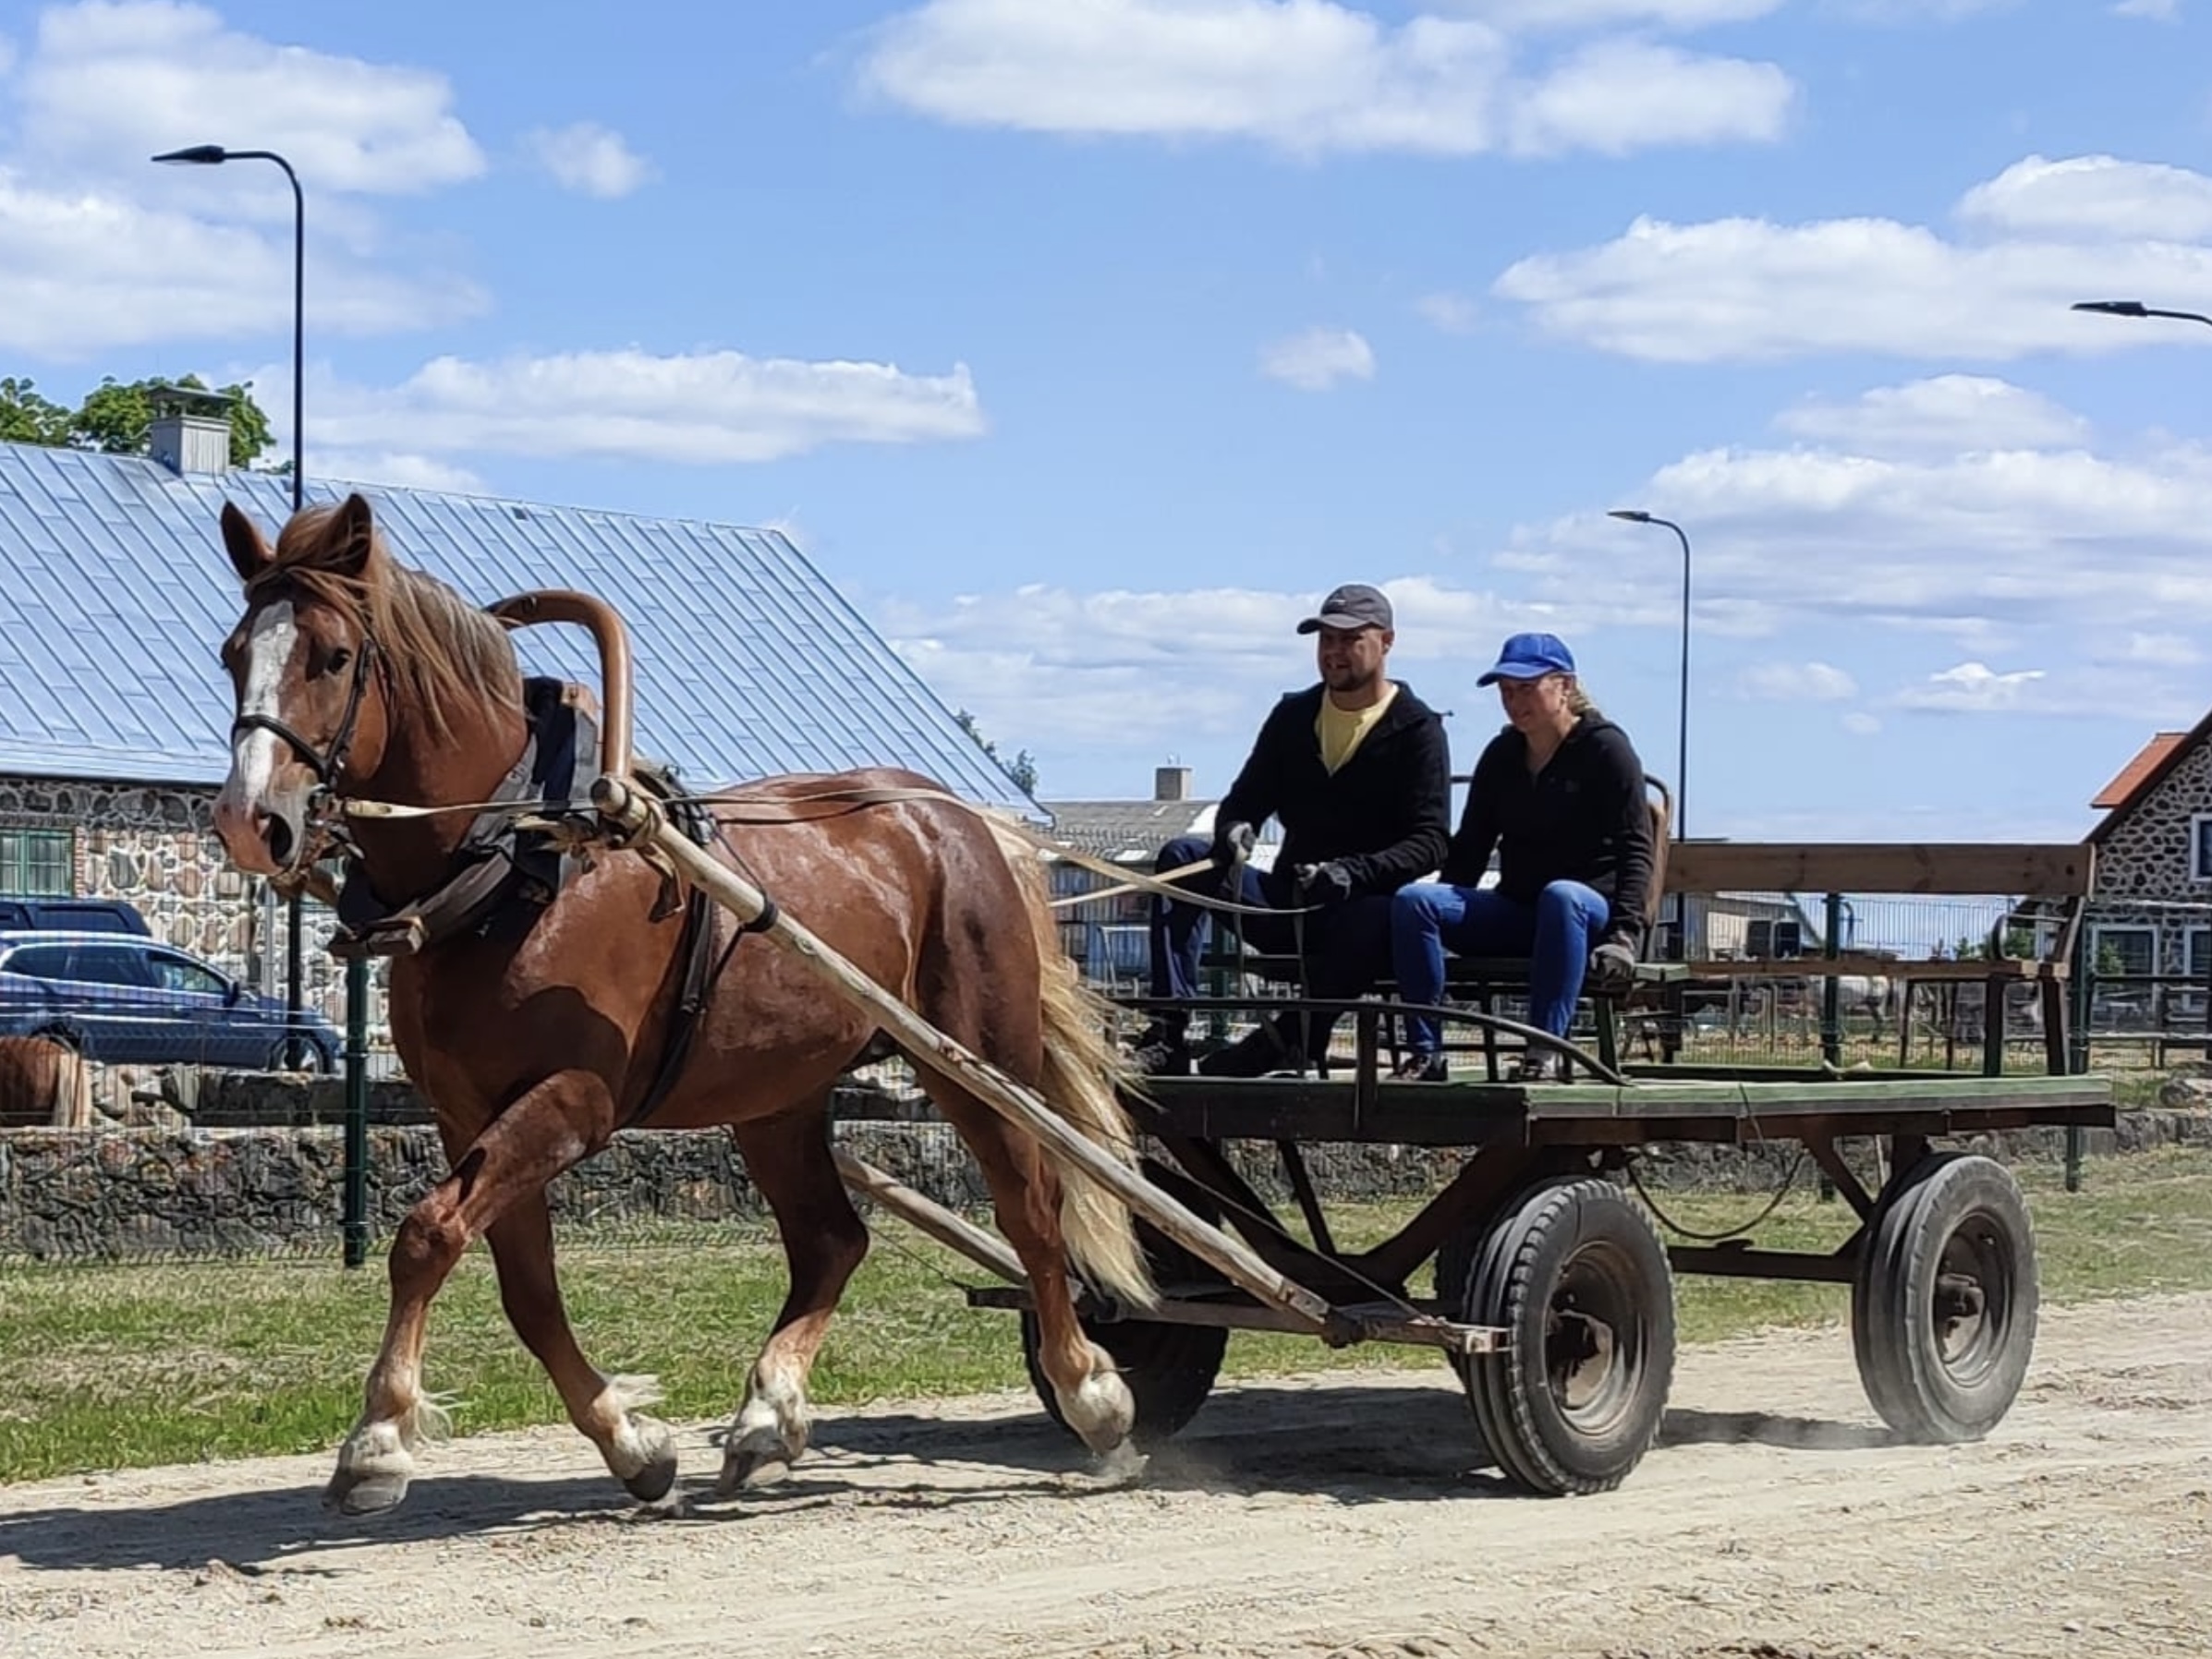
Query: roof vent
(190, 430)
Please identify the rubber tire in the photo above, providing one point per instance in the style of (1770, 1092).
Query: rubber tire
(1538, 1445)
(1169, 1369)
(1893, 1337)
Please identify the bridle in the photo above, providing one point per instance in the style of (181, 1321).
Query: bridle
(325, 763)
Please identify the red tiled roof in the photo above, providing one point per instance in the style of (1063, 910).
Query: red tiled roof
(2137, 771)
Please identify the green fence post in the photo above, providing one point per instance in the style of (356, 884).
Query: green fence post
(357, 1112)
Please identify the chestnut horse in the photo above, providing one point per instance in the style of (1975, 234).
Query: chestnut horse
(358, 678)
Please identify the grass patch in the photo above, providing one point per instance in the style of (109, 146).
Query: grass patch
(119, 1366)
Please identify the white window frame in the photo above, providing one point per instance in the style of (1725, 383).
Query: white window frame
(2097, 941)
(2200, 847)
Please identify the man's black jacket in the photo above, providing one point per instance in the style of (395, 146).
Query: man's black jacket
(1385, 814)
(1583, 818)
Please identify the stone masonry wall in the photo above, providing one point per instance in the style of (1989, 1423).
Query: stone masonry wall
(201, 1192)
(154, 846)
(2142, 869)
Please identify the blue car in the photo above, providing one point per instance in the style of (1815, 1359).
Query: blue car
(126, 999)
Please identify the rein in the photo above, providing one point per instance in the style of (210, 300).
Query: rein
(841, 802)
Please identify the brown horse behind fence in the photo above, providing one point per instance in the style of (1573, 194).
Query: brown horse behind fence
(537, 1022)
(43, 1082)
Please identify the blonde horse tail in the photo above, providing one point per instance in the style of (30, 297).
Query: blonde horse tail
(1084, 1073)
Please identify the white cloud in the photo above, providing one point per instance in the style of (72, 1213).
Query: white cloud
(1970, 688)
(394, 470)
(1317, 359)
(1860, 724)
(1453, 313)
(112, 81)
(2162, 650)
(1617, 96)
(1749, 290)
(89, 271)
(1306, 75)
(1531, 15)
(2094, 197)
(1797, 683)
(2157, 11)
(1948, 414)
(588, 159)
(705, 408)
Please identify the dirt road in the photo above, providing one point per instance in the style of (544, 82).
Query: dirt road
(1335, 1519)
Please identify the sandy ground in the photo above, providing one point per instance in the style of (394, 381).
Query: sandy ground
(1329, 1518)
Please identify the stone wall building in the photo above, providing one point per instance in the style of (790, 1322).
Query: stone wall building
(2151, 911)
(115, 595)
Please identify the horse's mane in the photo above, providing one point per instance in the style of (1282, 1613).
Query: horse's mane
(439, 651)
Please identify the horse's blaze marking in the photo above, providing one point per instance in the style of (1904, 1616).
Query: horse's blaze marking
(269, 648)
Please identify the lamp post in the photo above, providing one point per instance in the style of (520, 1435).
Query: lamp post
(356, 979)
(1682, 752)
(2135, 307)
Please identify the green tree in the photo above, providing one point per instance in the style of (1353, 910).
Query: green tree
(114, 415)
(1021, 771)
(26, 417)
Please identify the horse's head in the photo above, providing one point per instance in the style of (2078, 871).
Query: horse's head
(311, 712)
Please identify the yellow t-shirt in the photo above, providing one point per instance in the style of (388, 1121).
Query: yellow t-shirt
(1341, 731)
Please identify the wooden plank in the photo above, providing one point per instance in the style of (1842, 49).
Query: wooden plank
(955, 1231)
(2064, 869)
(634, 812)
(1878, 967)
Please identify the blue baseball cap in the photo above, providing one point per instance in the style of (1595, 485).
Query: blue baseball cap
(1530, 657)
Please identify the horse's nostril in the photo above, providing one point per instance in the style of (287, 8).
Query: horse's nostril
(280, 840)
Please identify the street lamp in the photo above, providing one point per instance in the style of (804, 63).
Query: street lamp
(2135, 307)
(357, 977)
(1682, 753)
(215, 155)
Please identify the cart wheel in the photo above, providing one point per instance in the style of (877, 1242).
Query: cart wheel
(1578, 1277)
(1169, 1369)
(1943, 1307)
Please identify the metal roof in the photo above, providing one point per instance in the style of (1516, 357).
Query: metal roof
(115, 595)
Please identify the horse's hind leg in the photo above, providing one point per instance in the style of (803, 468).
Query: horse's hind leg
(639, 1450)
(1024, 1191)
(824, 1241)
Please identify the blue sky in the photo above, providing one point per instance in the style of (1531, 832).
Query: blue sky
(1084, 343)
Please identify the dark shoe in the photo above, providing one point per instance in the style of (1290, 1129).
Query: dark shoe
(1259, 1052)
(1423, 1068)
(1540, 1065)
(1160, 1053)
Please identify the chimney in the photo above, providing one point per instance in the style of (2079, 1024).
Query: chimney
(190, 430)
(1171, 783)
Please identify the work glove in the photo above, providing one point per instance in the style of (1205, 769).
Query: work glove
(1328, 883)
(1613, 964)
(1232, 844)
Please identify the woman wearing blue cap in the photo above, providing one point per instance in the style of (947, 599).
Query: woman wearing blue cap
(1558, 795)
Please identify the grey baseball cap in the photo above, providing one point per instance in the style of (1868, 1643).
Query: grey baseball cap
(1355, 605)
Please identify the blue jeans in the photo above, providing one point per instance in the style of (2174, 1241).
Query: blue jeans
(1347, 947)
(1556, 934)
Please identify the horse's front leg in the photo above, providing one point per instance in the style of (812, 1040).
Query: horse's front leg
(641, 1451)
(825, 1240)
(552, 1126)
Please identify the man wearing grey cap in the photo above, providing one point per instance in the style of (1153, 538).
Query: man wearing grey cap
(1358, 771)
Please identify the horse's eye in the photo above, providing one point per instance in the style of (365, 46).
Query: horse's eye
(339, 659)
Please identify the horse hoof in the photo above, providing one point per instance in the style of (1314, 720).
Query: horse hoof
(363, 1494)
(749, 1468)
(651, 1483)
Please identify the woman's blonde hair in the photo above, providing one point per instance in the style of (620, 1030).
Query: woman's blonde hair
(1578, 700)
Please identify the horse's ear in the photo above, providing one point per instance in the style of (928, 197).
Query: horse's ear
(249, 554)
(352, 535)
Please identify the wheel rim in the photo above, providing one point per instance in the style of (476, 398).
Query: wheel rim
(1970, 1307)
(1593, 1340)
